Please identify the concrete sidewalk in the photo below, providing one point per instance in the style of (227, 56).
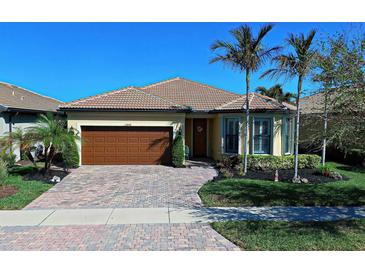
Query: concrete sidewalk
(118, 216)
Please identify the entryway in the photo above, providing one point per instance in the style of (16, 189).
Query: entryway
(200, 138)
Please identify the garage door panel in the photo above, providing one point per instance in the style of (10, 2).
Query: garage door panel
(99, 140)
(111, 140)
(126, 145)
(122, 140)
(133, 140)
(121, 150)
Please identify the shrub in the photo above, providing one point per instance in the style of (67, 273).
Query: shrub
(71, 157)
(226, 173)
(8, 158)
(178, 155)
(3, 171)
(325, 170)
(270, 162)
(229, 162)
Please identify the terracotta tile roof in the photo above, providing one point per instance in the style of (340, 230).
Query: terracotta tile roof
(174, 94)
(257, 102)
(200, 97)
(12, 96)
(129, 98)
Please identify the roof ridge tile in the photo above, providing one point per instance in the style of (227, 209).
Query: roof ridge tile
(161, 82)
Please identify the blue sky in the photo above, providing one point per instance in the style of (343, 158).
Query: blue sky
(68, 61)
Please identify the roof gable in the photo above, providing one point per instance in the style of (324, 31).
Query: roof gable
(257, 102)
(199, 97)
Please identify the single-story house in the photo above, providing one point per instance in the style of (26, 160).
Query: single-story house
(137, 125)
(20, 108)
(312, 127)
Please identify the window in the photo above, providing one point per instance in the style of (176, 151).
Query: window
(262, 136)
(231, 135)
(286, 135)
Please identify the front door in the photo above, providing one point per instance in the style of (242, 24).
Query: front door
(200, 138)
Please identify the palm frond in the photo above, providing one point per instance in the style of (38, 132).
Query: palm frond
(246, 52)
(262, 33)
(261, 89)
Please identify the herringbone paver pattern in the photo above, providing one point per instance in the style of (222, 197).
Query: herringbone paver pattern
(146, 237)
(127, 186)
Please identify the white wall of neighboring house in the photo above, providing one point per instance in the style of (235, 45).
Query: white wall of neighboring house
(20, 120)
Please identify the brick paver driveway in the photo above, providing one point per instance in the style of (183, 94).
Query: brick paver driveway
(121, 187)
(147, 237)
(127, 186)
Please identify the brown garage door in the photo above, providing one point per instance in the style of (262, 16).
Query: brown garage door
(126, 145)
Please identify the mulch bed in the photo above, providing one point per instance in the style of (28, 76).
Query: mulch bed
(6, 191)
(39, 176)
(287, 175)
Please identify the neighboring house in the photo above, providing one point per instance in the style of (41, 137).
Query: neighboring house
(312, 126)
(19, 108)
(137, 125)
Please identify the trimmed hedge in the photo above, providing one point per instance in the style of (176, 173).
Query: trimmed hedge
(270, 162)
(71, 156)
(178, 155)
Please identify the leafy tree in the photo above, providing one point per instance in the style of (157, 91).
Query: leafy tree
(340, 72)
(297, 64)
(54, 135)
(276, 92)
(246, 54)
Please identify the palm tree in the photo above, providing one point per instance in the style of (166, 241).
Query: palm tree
(246, 54)
(276, 92)
(297, 64)
(18, 138)
(54, 135)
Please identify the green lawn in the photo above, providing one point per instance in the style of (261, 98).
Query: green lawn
(274, 235)
(27, 190)
(247, 192)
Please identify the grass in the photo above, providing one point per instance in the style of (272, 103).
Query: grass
(27, 190)
(342, 235)
(248, 192)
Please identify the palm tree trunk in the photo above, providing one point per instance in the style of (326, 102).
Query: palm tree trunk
(45, 158)
(247, 128)
(50, 157)
(296, 148)
(324, 145)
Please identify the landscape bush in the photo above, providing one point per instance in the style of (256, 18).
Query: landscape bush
(71, 156)
(178, 155)
(325, 170)
(9, 158)
(3, 171)
(270, 162)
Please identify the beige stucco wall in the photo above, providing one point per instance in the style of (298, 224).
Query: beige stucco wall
(277, 140)
(79, 119)
(189, 133)
(215, 142)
